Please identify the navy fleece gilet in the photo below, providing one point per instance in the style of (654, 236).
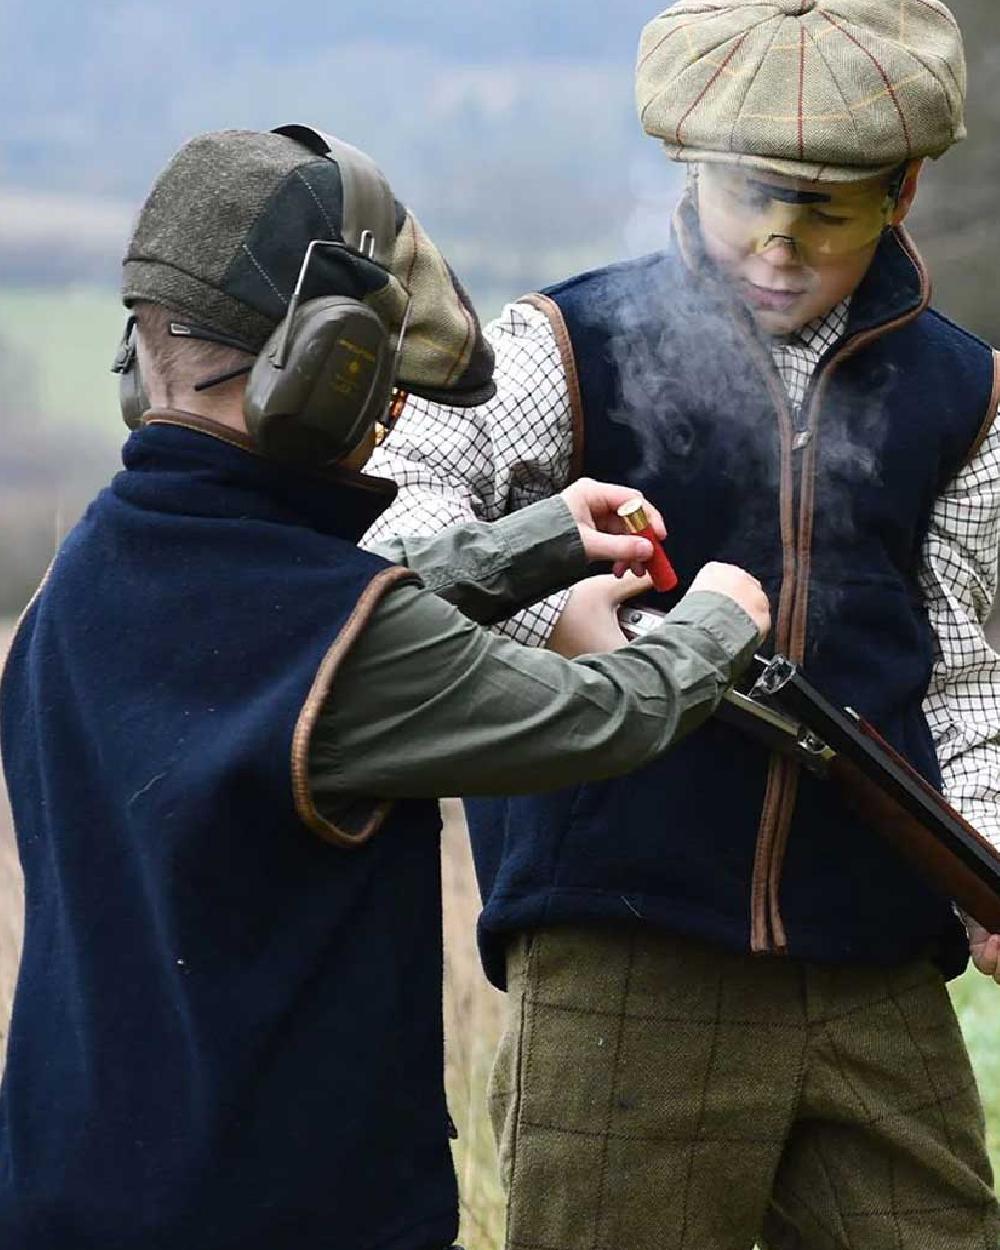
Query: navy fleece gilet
(678, 399)
(227, 1030)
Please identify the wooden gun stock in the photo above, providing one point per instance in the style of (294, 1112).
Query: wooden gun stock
(932, 859)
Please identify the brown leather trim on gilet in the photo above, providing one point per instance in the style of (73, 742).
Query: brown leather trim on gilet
(318, 693)
(991, 414)
(561, 334)
(335, 474)
(780, 777)
(778, 836)
(203, 425)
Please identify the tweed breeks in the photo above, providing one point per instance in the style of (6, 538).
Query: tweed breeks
(654, 1093)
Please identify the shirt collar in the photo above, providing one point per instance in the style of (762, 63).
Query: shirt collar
(821, 333)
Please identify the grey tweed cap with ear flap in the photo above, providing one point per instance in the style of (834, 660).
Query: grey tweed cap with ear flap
(221, 237)
(833, 90)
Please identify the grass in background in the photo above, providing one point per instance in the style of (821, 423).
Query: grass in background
(67, 340)
(978, 1004)
(473, 1022)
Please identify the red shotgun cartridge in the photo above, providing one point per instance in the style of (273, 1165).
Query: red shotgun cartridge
(659, 567)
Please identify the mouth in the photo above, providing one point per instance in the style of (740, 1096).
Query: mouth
(770, 299)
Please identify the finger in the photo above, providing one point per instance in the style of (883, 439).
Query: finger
(620, 569)
(986, 954)
(626, 548)
(977, 934)
(605, 498)
(655, 518)
(991, 956)
(631, 586)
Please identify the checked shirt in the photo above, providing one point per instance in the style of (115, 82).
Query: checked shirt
(455, 464)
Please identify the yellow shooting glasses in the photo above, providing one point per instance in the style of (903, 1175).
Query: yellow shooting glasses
(752, 211)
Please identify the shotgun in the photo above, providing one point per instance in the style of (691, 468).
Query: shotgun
(783, 711)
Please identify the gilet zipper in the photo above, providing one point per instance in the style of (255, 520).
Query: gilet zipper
(798, 479)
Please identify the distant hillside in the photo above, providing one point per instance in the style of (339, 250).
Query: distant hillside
(510, 128)
(108, 90)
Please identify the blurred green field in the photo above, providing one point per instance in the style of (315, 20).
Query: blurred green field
(61, 343)
(978, 1003)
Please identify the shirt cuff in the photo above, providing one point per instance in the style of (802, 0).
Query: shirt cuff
(723, 620)
(544, 549)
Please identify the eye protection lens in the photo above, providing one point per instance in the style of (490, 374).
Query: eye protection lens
(753, 214)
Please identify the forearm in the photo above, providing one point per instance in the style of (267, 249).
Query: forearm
(490, 569)
(533, 626)
(457, 710)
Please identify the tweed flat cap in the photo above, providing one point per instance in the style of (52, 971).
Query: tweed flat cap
(222, 235)
(831, 90)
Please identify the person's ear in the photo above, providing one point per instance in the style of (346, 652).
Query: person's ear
(907, 193)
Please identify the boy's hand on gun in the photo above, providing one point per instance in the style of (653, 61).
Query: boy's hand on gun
(984, 947)
(589, 622)
(742, 587)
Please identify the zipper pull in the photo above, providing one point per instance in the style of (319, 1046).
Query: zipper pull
(802, 440)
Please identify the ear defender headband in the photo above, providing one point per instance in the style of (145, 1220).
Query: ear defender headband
(325, 376)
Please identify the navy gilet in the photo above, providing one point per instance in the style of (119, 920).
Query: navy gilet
(227, 1026)
(680, 398)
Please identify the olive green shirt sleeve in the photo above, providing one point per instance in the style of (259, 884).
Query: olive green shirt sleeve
(428, 704)
(491, 569)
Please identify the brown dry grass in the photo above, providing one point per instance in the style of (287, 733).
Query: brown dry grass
(473, 1020)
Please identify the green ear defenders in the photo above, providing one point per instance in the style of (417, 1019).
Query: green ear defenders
(325, 376)
(131, 394)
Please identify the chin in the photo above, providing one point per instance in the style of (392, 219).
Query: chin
(778, 322)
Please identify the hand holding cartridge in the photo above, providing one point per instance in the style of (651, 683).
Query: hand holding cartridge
(597, 509)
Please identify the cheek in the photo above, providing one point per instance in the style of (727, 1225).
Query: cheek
(726, 254)
(837, 280)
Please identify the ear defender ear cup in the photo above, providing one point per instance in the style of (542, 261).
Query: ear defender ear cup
(132, 395)
(324, 378)
(334, 385)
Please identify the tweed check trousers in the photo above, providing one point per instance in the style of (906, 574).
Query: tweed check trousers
(655, 1093)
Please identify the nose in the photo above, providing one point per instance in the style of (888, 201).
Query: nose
(782, 251)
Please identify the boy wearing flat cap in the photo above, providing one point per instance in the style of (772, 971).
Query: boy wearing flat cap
(227, 1026)
(728, 1012)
